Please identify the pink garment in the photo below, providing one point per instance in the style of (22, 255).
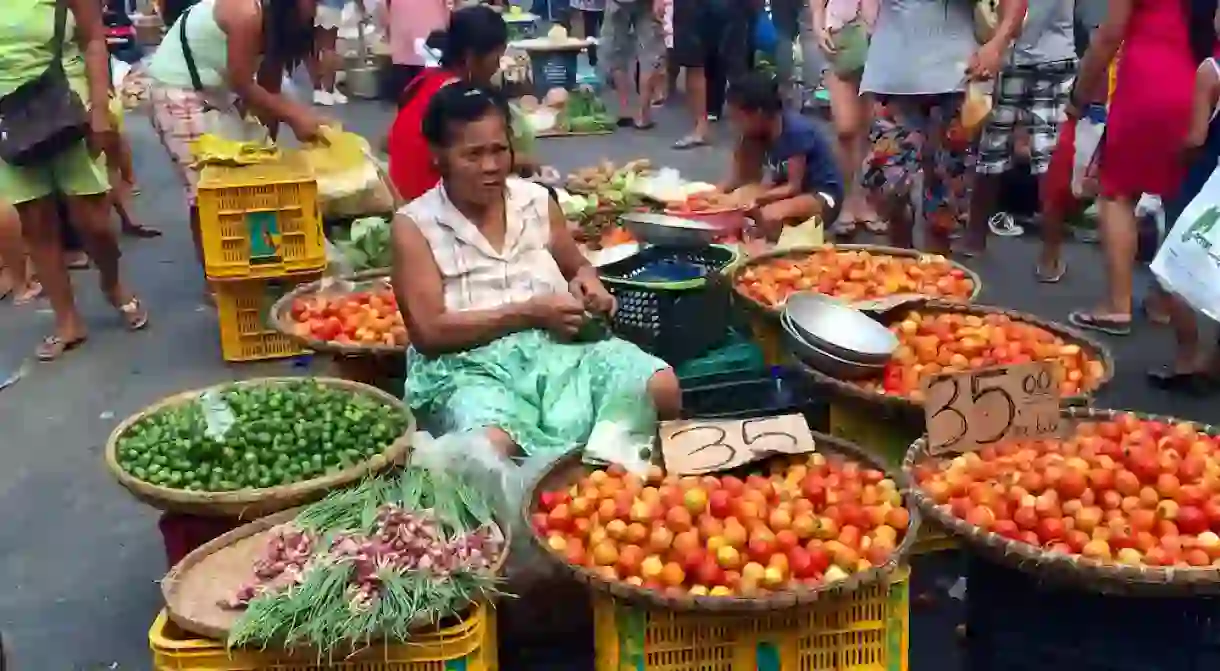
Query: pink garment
(842, 12)
(1150, 110)
(411, 20)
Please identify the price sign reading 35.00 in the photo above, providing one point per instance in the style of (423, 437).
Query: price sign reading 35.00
(967, 411)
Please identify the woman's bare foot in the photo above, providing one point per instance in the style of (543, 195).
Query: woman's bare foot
(27, 294)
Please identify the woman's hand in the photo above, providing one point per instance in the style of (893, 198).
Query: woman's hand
(102, 137)
(985, 64)
(826, 40)
(590, 291)
(307, 126)
(561, 314)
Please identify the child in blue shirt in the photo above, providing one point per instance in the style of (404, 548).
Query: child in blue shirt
(782, 160)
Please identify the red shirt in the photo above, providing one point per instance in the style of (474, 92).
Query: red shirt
(411, 166)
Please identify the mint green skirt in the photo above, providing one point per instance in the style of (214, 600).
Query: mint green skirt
(546, 395)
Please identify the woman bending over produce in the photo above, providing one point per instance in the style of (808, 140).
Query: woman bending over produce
(782, 163)
(470, 52)
(229, 56)
(502, 308)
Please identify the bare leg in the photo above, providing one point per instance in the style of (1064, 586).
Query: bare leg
(40, 229)
(1054, 228)
(696, 98)
(1118, 238)
(850, 114)
(14, 275)
(1118, 233)
(91, 217)
(982, 205)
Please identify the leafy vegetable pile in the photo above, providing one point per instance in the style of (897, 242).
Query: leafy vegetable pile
(258, 436)
(366, 246)
(372, 562)
(584, 112)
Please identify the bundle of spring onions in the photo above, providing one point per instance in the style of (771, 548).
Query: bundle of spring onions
(371, 563)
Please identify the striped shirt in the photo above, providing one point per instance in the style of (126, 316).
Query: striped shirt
(474, 275)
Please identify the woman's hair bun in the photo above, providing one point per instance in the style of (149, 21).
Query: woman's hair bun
(437, 40)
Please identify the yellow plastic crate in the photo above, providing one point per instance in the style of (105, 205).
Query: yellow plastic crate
(469, 646)
(243, 307)
(888, 437)
(867, 630)
(261, 221)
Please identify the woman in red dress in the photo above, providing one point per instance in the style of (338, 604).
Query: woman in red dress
(1163, 42)
(470, 51)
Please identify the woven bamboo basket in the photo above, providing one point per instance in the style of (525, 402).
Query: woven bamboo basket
(249, 504)
(570, 467)
(751, 306)
(215, 570)
(1063, 569)
(913, 408)
(281, 320)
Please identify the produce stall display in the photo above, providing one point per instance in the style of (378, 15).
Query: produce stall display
(370, 563)
(562, 112)
(1124, 503)
(939, 341)
(773, 536)
(250, 448)
(360, 312)
(853, 273)
(595, 197)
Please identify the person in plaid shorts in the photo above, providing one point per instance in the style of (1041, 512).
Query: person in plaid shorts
(1032, 91)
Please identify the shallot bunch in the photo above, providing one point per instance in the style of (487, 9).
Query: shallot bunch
(280, 566)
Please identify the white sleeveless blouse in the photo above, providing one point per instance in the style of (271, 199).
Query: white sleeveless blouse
(475, 275)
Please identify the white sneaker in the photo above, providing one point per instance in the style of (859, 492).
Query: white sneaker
(338, 98)
(323, 98)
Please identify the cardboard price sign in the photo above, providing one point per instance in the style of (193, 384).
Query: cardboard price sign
(967, 411)
(698, 446)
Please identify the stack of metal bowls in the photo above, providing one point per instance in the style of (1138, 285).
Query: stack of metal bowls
(835, 338)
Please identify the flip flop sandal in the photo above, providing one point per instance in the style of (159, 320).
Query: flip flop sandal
(1167, 379)
(1090, 321)
(1003, 225)
(1054, 275)
(690, 142)
(647, 125)
(79, 264)
(625, 122)
(53, 347)
(141, 232)
(133, 313)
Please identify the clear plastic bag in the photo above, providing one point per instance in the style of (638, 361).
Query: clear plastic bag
(1088, 137)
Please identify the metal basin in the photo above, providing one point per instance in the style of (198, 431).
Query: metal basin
(824, 361)
(839, 329)
(669, 231)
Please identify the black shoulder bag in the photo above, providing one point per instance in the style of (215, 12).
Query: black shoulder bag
(44, 116)
(187, 56)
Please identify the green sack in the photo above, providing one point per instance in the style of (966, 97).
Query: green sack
(851, 49)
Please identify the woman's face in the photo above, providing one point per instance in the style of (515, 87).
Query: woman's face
(484, 67)
(477, 161)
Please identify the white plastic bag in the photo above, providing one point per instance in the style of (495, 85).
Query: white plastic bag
(1088, 137)
(1188, 263)
(1150, 206)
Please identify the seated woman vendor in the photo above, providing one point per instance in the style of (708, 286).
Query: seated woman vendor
(782, 162)
(470, 49)
(498, 300)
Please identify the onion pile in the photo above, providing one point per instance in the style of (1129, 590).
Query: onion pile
(281, 566)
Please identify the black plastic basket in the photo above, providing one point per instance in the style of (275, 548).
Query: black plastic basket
(1013, 623)
(674, 319)
(779, 391)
